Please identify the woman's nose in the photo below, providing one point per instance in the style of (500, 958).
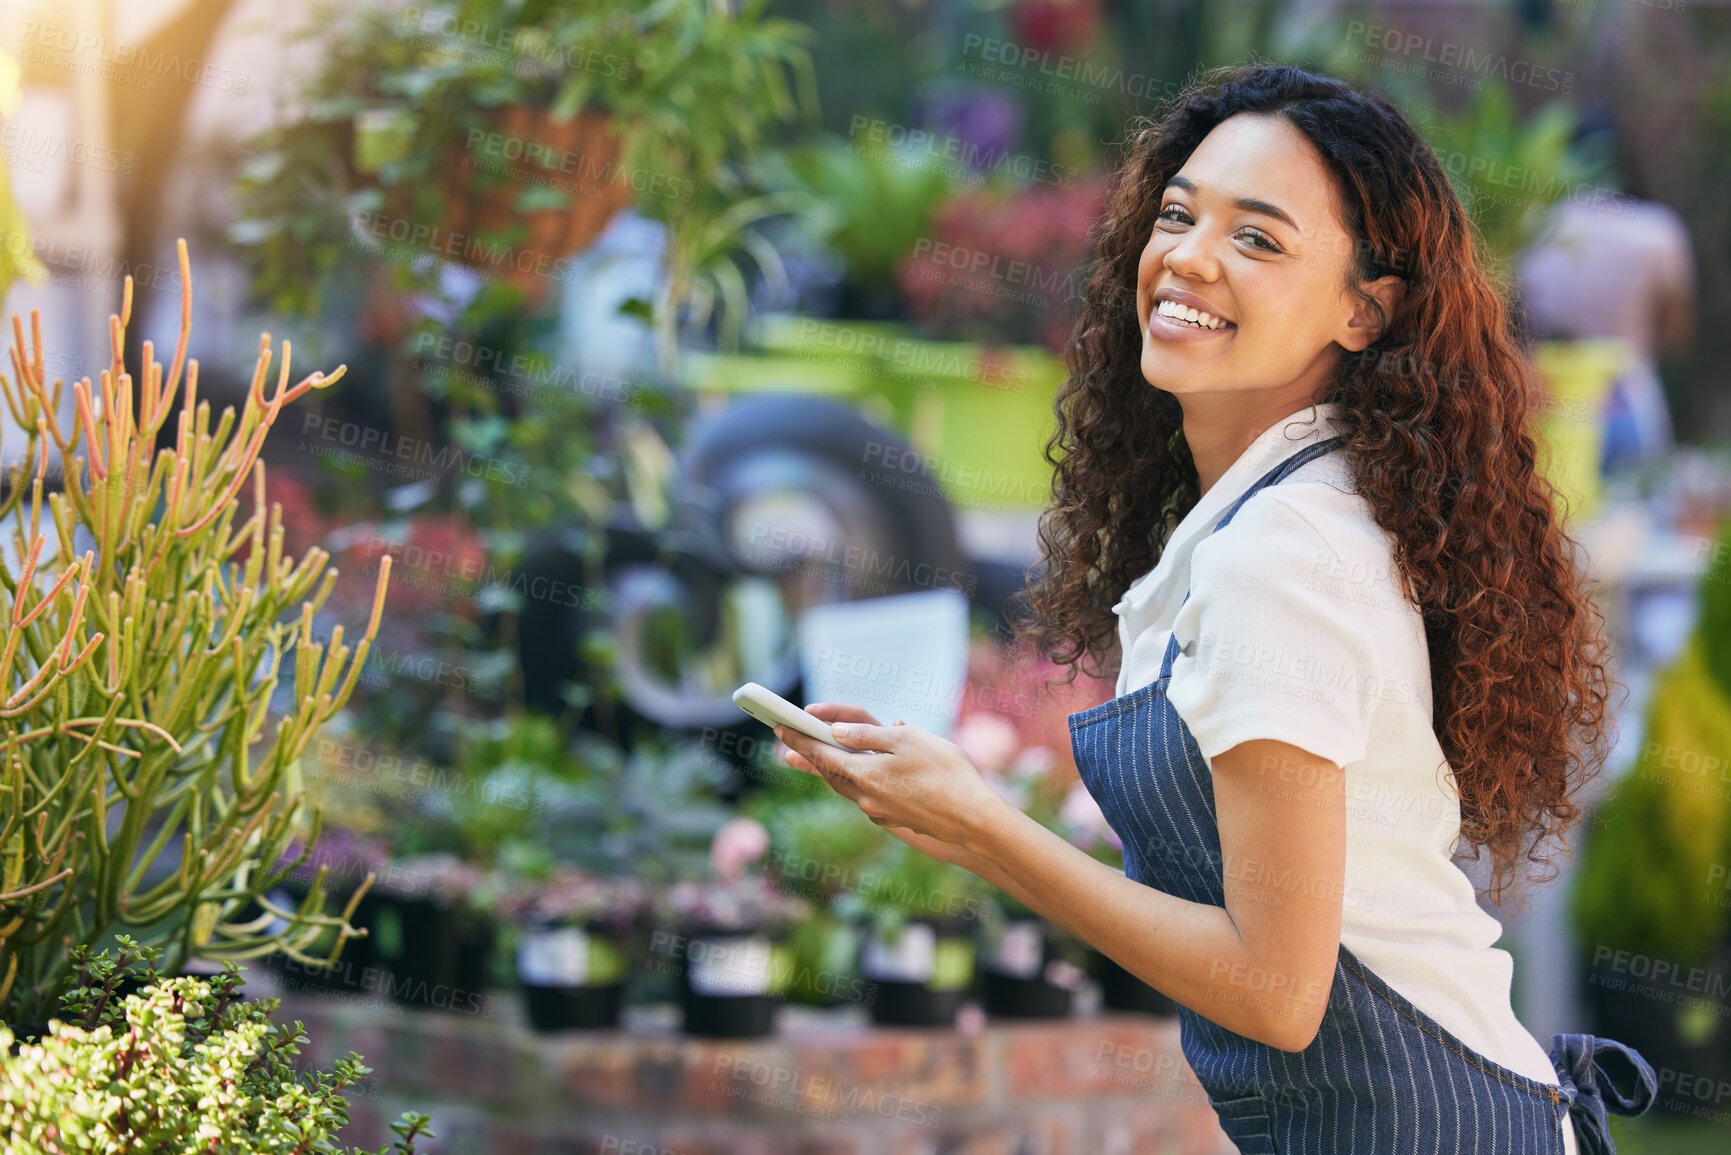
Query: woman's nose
(1192, 255)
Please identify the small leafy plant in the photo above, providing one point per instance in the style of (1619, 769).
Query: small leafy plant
(183, 1065)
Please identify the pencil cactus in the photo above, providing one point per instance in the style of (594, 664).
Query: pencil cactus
(143, 633)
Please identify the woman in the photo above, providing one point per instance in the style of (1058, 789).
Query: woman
(1357, 646)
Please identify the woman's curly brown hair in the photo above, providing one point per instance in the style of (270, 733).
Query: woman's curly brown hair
(1435, 414)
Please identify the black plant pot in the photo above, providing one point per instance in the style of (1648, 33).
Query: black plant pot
(441, 956)
(1122, 991)
(728, 986)
(573, 977)
(573, 1008)
(922, 980)
(1013, 979)
(1672, 1026)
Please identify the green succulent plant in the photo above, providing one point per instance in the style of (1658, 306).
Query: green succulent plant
(143, 630)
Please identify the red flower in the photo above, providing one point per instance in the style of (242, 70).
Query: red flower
(1062, 26)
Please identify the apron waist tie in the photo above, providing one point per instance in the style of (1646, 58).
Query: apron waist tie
(1592, 1091)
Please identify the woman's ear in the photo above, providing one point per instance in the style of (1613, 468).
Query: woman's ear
(1365, 326)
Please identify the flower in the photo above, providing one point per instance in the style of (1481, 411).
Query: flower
(1036, 239)
(347, 856)
(737, 844)
(1056, 27)
(740, 904)
(1085, 826)
(988, 740)
(441, 878)
(573, 897)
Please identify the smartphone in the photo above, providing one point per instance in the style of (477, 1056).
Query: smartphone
(771, 708)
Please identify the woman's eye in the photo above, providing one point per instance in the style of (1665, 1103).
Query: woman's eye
(1177, 215)
(1262, 242)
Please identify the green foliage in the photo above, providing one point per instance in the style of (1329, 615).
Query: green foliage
(1715, 605)
(139, 787)
(868, 208)
(1507, 171)
(1647, 867)
(825, 849)
(16, 259)
(526, 794)
(182, 1066)
(401, 97)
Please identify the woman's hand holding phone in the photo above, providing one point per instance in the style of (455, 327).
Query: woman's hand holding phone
(919, 787)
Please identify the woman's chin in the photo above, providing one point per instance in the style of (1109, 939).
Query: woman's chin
(1167, 373)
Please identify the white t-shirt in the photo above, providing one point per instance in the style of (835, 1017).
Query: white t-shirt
(1297, 629)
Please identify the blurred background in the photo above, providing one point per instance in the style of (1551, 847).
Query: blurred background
(692, 342)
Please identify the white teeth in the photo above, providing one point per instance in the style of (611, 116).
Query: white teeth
(1177, 312)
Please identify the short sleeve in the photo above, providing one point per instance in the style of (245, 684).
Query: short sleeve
(1296, 628)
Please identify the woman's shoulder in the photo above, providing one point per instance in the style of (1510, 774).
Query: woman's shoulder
(1313, 529)
(1316, 508)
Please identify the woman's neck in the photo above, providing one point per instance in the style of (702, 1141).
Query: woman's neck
(1220, 427)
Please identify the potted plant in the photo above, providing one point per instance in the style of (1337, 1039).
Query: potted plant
(178, 1064)
(141, 655)
(1028, 967)
(436, 931)
(575, 931)
(512, 150)
(1082, 825)
(919, 918)
(1652, 900)
(819, 845)
(730, 938)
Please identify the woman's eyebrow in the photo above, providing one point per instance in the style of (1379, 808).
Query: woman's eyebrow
(1249, 204)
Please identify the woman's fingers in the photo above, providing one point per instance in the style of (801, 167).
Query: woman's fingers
(825, 761)
(840, 712)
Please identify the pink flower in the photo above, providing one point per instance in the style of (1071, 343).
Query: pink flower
(1082, 817)
(738, 843)
(988, 740)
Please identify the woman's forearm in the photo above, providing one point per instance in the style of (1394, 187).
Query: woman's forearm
(1190, 951)
(992, 873)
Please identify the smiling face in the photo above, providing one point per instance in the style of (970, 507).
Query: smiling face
(1250, 231)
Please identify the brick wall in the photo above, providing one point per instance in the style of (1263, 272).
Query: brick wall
(827, 1083)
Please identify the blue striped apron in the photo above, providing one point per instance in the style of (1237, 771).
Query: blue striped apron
(1381, 1075)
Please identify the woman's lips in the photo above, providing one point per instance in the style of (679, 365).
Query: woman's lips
(1166, 329)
